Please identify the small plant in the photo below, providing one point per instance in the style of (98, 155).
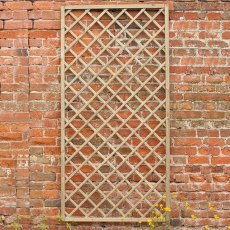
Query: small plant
(68, 226)
(43, 225)
(158, 216)
(59, 218)
(16, 224)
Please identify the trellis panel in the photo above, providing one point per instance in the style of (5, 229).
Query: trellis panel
(115, 112)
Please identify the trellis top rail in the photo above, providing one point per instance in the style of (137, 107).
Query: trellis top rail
(120, 6)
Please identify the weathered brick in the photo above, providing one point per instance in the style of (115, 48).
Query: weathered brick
(185, 25)
(220, 160)
(43, 140)
(187, 141)
(226, 35)
(11, 136)
(43, 176)
(206, 25)
(213, 15)
(47, 24)
(18, 24)
(42, 34)
(52, 203)
(21, 5)
(50, 15)
(44, 5)
(48, 194)
(22, 14)
(198, 160)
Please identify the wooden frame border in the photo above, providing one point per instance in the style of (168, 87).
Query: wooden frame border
(101, 7)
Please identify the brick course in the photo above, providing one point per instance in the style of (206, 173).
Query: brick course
(30, 112)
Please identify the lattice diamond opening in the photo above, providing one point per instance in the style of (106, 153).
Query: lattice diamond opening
(115, 112)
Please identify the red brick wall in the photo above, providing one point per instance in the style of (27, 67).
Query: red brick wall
(30, 112)
(200, 127)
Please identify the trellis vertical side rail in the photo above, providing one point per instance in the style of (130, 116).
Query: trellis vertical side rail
(168, 198)
(62, 111)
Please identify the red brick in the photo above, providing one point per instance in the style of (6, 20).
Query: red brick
(36, 133)
(214, 79)
(207, 133)
(214, 115)
(6, 14)
(48, 194)
(226, 35)
(187, 114)
(220, 178)
(35, 14)
(176, 43)
(213, 15)
(198, 160)
(183, 150)
(5, 163)
(42, 34)
(52, 114)
(183, 133)
(10, 136)
(191, 15)
(209, 151)
(184, 25)
(225, 132)
(227, 187)
(217, 44)
(192, 61)
(212, 6)
(187, 141)
(6, 116)
(178, 69)
(194, 43)
(23, 14)
(21, 116)
(176, 15)
(220, 160)
(209, 35)
(197, 178)
(7, 210)
(51, 15)
(226, 25)
(25, 5)
(18, 24)
(44, 5)
(184, 52)
(184, 105)
(225, 15)
(47, 24)
(192, 79)
(52, 133)
(215, 61)
(208, 52)
(181, 178)
(45, 141)
(87, 169)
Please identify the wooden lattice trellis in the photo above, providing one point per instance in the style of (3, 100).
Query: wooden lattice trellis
(115, 111)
